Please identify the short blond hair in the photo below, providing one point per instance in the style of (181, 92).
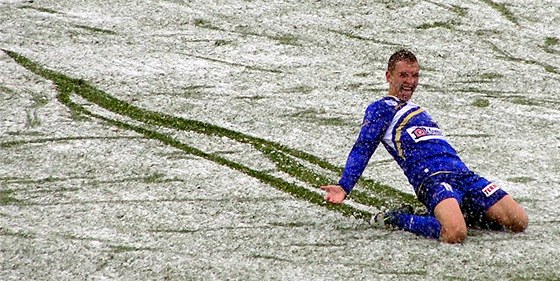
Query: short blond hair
(400, 55)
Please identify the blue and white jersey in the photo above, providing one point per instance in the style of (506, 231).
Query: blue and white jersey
(410, 135)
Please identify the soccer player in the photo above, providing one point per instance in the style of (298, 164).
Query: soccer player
(453, 195)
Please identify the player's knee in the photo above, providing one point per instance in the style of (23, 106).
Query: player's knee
(454, 234)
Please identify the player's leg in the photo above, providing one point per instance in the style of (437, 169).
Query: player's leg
(485, 198)
(447, 222)
(442, 198)
(405, 219)
(509, 213)
(453, 225)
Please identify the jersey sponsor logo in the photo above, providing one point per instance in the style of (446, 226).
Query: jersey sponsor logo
(490, 189)
(421, 133)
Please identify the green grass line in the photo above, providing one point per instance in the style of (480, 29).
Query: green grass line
(438, 24)
(6, 197)
(385, 195)
(206, 229)
(14, 233)
(502, 9)
(273, 151)
(8, 144)
(351, 35)
(286, 38)
(236, 64)
(124, 248)
(153, 178)
(458, 10)
(40, 9)
(96, 29)
(505, 56)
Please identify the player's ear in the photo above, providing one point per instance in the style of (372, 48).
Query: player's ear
(388, 76)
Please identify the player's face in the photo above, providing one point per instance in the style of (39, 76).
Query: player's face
(403, 80)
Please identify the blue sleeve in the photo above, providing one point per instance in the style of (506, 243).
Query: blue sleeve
(372, 131)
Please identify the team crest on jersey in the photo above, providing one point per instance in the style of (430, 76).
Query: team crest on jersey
(490, 189)
(420, 133)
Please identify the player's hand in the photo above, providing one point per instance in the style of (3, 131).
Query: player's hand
(335, 193)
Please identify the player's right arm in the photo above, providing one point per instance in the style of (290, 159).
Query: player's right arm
(334, 193)
(376, 121)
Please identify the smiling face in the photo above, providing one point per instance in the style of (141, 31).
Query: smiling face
(403, 79)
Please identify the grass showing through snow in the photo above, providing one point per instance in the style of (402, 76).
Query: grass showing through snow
(286, 159)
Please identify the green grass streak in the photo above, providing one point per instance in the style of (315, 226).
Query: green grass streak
(8, 144)
(14, 233)
(68, 86)
(123, 248)
(481, 102)
(249, 67)
(6, 197)
(96, 29)
(110, 103)
(504, 55)
(359, 37)
(502, 9)
(447, 25)
(385, 195)
(393, 197)
(286, 39)
(40, 9)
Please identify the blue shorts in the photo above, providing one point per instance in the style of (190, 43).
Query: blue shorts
(474, 193)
